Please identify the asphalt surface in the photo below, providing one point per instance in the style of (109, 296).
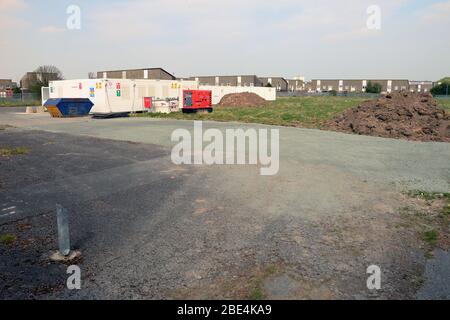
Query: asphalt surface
(149, 229)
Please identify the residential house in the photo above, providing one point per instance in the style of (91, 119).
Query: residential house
(349, 85)
(32, 78)
(276, 82)
(239, 80)
(6, 87)
(295, 85)
(421, 86)
(146, 73)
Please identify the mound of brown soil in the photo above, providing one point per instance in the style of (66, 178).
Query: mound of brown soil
(245, 99)
(410, 116)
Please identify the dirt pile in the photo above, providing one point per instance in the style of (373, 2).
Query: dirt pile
(245, 99)
(410, 116)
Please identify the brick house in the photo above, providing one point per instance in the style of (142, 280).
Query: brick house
(31, 78)
(421, 86)
(357, 85)
(296, 85)
(279, 83)
(147, 73)
(6, 87)
(236, 81)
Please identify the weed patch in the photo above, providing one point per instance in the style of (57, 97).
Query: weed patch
(13, 151)
(7, 239)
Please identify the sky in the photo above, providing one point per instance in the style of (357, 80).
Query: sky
(288, 38)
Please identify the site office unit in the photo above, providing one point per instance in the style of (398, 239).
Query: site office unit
(115, 96)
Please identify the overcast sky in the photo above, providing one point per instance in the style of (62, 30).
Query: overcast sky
(315, 39)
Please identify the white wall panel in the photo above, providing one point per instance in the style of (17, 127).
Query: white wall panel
(218, 92)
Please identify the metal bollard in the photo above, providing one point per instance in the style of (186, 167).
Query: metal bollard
(62, 216)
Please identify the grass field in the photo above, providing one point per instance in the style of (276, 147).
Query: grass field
(444, 103)
(4, 103)
(307, 112)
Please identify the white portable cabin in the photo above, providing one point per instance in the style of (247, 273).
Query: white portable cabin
(111, 96)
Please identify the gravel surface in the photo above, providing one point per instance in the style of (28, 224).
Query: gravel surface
(149, 229)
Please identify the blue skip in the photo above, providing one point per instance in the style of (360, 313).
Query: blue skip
(65, 108)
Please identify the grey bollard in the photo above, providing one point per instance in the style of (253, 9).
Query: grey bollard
(62, 216)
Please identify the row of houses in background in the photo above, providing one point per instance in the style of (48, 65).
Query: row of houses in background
(280, 83)
(326, 85)
(148, 73)
(6, 87)
(319, 85)
(297, 84)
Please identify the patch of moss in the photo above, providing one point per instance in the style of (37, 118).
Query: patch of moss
(431, 237)
(13, 151)
(7, 239)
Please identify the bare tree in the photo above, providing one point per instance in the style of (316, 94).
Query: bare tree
(44, 74)
(92, 75)
(48, 73)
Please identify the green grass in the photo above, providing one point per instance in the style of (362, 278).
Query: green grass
(4, 103)
(257, 294)
(7, 239)
(309, 112)
(431, 237)
(430, 220)
(428, 195)
(444, 104)
(8, 151)
(257, 289)
(445, 213)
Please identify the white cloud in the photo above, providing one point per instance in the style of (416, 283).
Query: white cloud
(282, 37)
(357, 34)
(8, 18)
(438, 12)
(51, 29)
(12, 5)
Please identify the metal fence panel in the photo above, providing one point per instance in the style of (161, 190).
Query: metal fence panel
(328, 94)
(22, 97)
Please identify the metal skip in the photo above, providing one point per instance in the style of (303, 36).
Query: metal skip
(63, 230)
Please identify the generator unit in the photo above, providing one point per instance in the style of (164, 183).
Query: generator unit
(197, 100)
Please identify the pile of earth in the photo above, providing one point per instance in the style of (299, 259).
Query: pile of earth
(404, 115)
(245, 99)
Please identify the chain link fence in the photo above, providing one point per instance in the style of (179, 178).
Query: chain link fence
(442, 97)
(21, 99)
(329, 94)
